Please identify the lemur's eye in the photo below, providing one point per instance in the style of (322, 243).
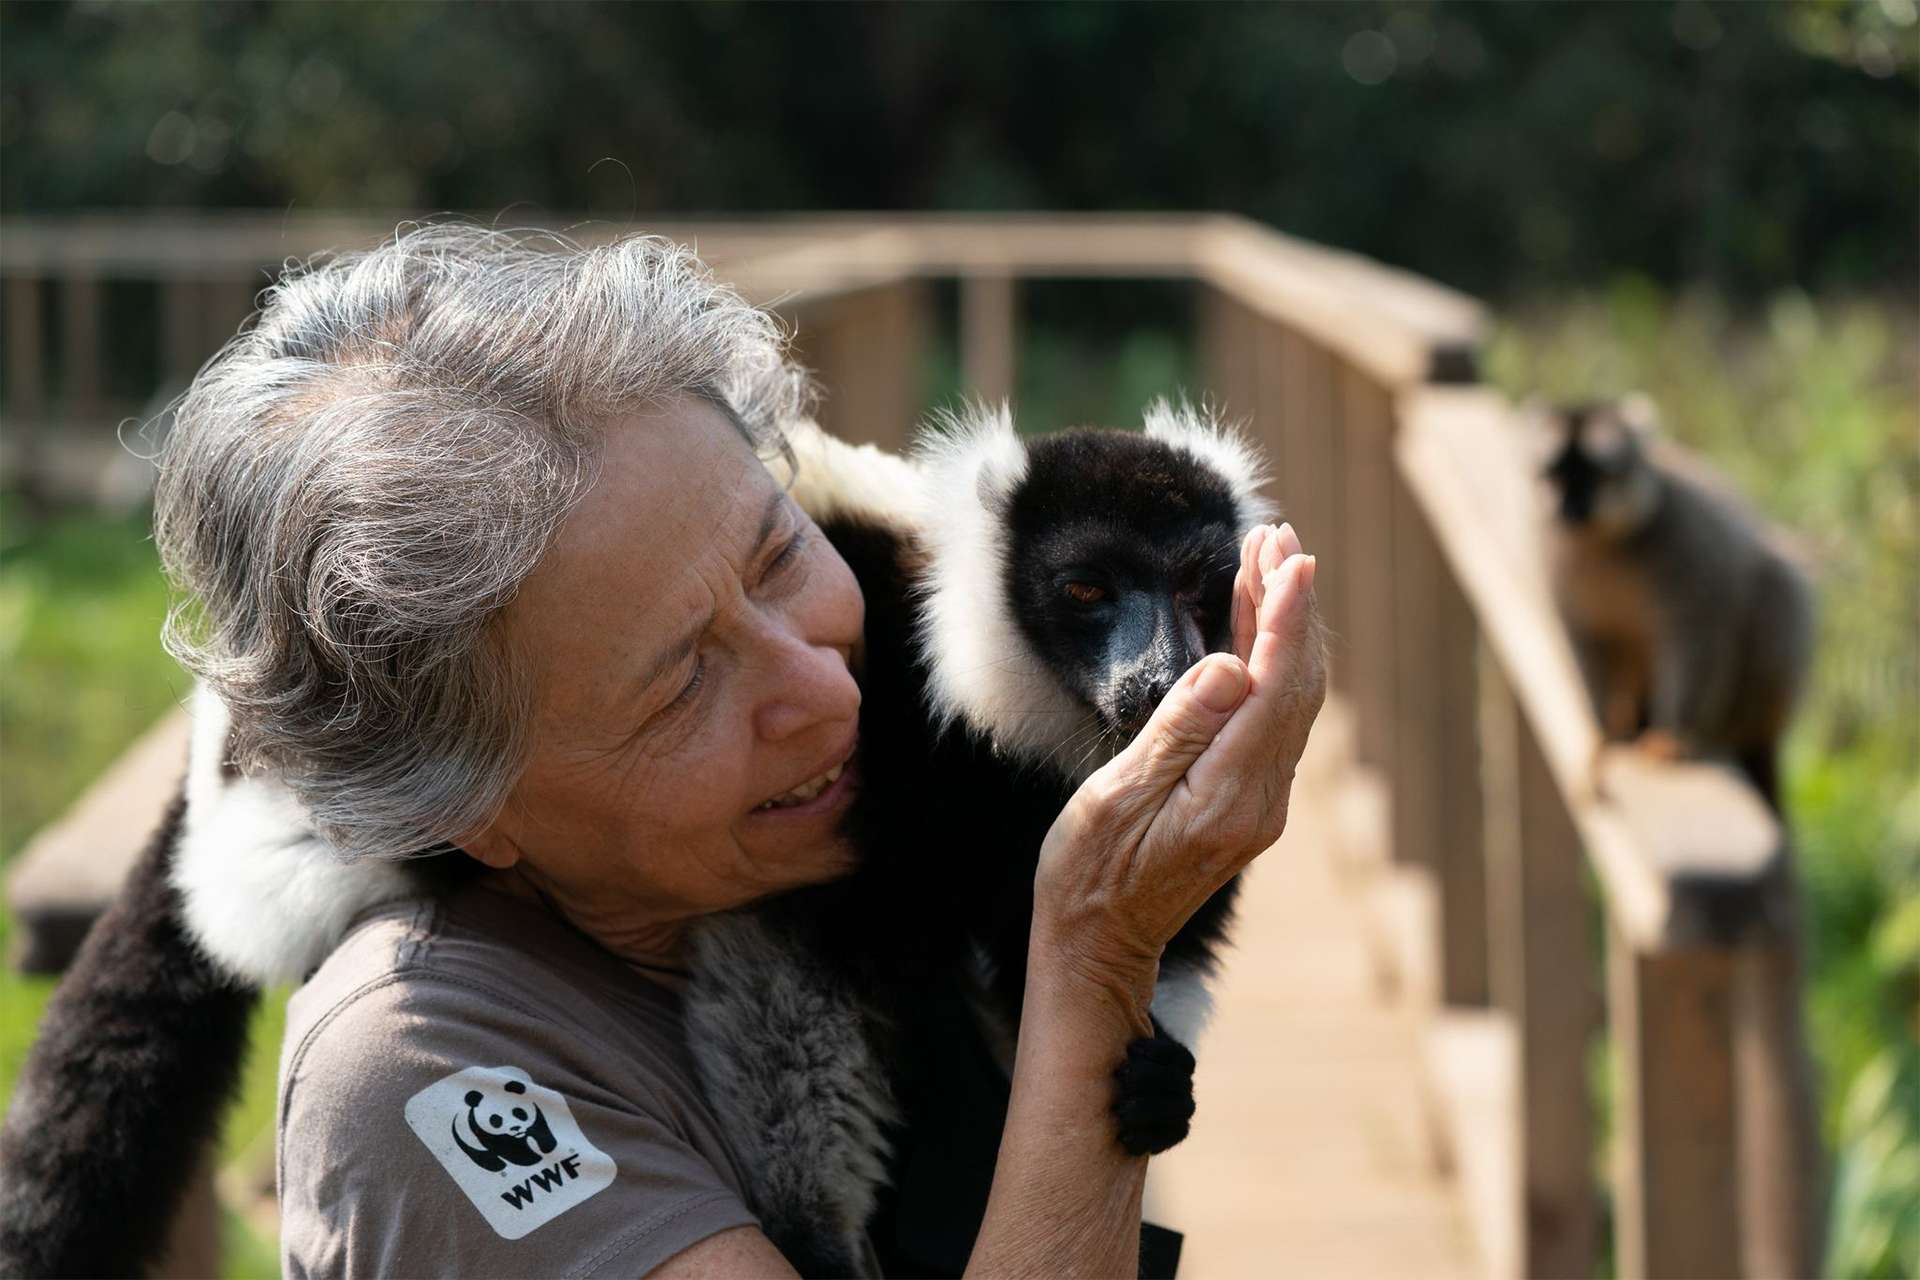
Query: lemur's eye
(1085, 593)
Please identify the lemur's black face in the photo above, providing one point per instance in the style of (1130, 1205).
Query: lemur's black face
(1598, 452)
(1120, 574)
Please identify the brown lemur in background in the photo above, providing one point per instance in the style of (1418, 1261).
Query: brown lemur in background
(1693, 627)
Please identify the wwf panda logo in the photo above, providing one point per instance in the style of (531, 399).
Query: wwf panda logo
(511, 1145)
(502, 1126)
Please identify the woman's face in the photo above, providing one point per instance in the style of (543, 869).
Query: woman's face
(690, 632)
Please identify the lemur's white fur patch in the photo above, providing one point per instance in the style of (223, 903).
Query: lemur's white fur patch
(263, 895)
(1198, 432)
(982, 671)
(830, 477)
(1182, 1005)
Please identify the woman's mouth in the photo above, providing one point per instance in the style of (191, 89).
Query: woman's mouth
(816, 794)
(805, 791)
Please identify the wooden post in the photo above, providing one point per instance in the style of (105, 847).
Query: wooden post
(989, 336)
(80, 348)
(1676, 1183)
(1448, 752)
(866, 347)
(1309, 471)
(193, 1242)
(183, 344)
(1226, 350)
(26, 359)
(1419, 822)
(225, 303)
(1783, 1176)
(1561, 1006)
(1539, 977)
(1366, 452)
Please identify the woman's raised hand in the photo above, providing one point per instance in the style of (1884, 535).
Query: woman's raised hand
(1204, 788)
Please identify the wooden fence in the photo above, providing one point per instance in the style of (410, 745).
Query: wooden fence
(1508, 858)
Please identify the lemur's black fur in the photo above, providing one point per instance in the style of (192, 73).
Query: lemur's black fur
(120, 1098)
(952, 825)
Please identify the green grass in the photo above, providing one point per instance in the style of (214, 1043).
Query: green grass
(1809, 407)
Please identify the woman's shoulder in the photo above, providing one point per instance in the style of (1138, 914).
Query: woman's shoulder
(452, 1063)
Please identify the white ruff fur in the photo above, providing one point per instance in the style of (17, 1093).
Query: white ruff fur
(1199, 433)
(830, 478)
(263, 895)
(983, 672)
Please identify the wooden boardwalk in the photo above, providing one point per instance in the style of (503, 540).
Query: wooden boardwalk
(1309, 1155)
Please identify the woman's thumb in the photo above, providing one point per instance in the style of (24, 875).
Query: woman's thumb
(1191, 715)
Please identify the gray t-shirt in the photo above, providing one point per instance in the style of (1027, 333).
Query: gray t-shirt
(472, 1087)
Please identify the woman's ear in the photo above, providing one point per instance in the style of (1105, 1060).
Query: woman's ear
(491, 846)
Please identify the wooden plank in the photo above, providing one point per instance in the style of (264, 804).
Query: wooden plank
(1473, 1089)
(1676, 1210)
(1703, 829)
(1398, 329)
(1367, 484)
(70, 870)
(1309, 1156)
(989, 335)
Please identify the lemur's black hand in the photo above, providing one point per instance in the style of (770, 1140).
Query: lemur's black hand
(1153, 1094)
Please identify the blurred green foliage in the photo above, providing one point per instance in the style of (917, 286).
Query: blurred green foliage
(1809, 407)
(1746, 146)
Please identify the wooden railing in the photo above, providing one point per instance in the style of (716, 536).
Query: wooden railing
(1480, 801)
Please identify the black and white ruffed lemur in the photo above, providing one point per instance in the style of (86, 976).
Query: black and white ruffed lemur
(1028, 603)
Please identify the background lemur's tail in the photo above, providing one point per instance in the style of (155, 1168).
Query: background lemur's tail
(123, 1092)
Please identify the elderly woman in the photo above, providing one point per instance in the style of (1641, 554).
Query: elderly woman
(485, 556)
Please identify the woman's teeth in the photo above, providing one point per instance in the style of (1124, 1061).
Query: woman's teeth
(806, 790)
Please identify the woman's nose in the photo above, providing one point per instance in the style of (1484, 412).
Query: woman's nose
(811, 686)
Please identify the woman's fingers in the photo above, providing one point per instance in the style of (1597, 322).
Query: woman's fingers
(1285, 616)
(1183, 726)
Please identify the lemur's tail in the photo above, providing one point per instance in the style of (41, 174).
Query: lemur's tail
(123, 1093)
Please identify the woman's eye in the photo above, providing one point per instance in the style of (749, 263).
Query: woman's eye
(789, 554)
(691, 688)
(1085, 593)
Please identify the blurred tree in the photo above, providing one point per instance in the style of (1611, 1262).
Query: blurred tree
(1495, 146)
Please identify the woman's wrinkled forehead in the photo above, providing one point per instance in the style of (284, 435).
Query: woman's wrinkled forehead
(675, 491)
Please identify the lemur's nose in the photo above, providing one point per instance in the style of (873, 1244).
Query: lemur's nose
(1136, 701)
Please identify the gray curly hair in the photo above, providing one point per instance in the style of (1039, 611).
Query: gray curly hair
(358, 483)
